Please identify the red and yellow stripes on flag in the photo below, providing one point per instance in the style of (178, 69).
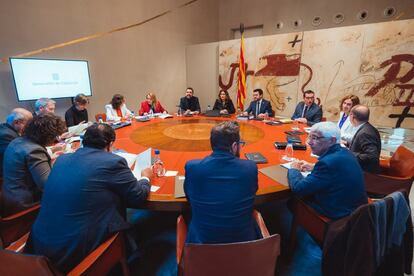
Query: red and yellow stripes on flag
(241, 84)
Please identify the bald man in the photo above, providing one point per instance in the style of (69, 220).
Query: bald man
(366, 143)
(15, 123)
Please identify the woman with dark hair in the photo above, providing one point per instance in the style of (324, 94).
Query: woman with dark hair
(116, 109)
(27, 164)
(224, 103)
(346, 104)
(149, 104)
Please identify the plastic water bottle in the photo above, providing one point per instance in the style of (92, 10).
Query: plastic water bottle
(289, 151)
(208, 107)
(151, 113)
(179, 111)
(158, 167)
(100, 120)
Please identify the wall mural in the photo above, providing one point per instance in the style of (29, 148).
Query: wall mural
(374, 62)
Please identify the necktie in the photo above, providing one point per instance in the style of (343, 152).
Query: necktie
(257, 108)
(305, 111)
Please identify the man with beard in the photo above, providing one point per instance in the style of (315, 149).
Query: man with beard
(221, 189)
(189, 104)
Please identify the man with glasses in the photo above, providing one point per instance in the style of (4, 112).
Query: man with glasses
(308, 112)
(335, 186)
(221, 189)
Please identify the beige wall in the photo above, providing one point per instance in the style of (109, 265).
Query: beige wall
(131, 62)
(270, 12)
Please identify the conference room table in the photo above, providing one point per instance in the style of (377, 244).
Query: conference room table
(180, 139)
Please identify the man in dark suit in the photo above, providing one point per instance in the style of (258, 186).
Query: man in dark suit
(308, 112)
(189, 104)
(15, 123)
(259, 107)
(84, 200)
(221, 189)
(335, 185)
(366, 143)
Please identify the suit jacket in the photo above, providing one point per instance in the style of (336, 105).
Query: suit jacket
(73, 116)
(7, 134)
(83, 204)
(191, 104)
(265, 107)
(26, 168)
(221, 189)
(313, 115)
(145, 108)
(112, 115)
(366, 146)
(347, 129)
(229, 106)
(336, 183)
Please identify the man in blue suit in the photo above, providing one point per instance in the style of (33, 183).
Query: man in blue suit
(85, 199)
(221, 189)
(308, 112)
(335, 185)
(259, 107)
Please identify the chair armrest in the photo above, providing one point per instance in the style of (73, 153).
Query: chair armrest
(260, 222)
(19, 245)
(89, 260)
(385, 166)
(181, 237)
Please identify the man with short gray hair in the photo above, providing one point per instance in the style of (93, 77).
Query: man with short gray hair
(44, 105)
(336, 182)
(15, 123)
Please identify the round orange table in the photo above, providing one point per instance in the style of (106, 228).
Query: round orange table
(184, 138)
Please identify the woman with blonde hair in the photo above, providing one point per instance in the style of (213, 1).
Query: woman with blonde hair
(346, 104)
(151, 104)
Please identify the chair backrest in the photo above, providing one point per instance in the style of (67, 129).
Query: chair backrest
(17, 225)
(100, 116)
(402, 163)
(256, 257)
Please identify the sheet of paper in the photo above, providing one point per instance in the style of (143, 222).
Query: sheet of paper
(129, 157)
(142, 161)
(78, 129)
(154, 188)
(164, 116)
(288, 166)
(179, 186)
(171, 173)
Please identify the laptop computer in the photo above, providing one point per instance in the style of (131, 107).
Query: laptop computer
(212, 113)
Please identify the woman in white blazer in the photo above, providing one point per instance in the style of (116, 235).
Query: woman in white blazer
(347, 130)
(116, 109)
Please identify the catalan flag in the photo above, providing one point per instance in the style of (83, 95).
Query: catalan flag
(241, 84)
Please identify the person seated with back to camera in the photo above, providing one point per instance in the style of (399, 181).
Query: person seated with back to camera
(151, 104)
(189, 104)
(77, 113)
(85, 200)
(224, 103)
(259, 107)
(221, 189)
(27, 163)
(117, 110)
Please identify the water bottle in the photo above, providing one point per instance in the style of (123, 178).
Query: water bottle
(179, 111)
(208, 107)
(100, 119)
(151, 113)
(289, 151)
(158, 167)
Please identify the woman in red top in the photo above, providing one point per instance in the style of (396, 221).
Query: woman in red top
(149, 104)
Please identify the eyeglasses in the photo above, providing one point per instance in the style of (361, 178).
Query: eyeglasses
(315, 138)
(242, 143)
